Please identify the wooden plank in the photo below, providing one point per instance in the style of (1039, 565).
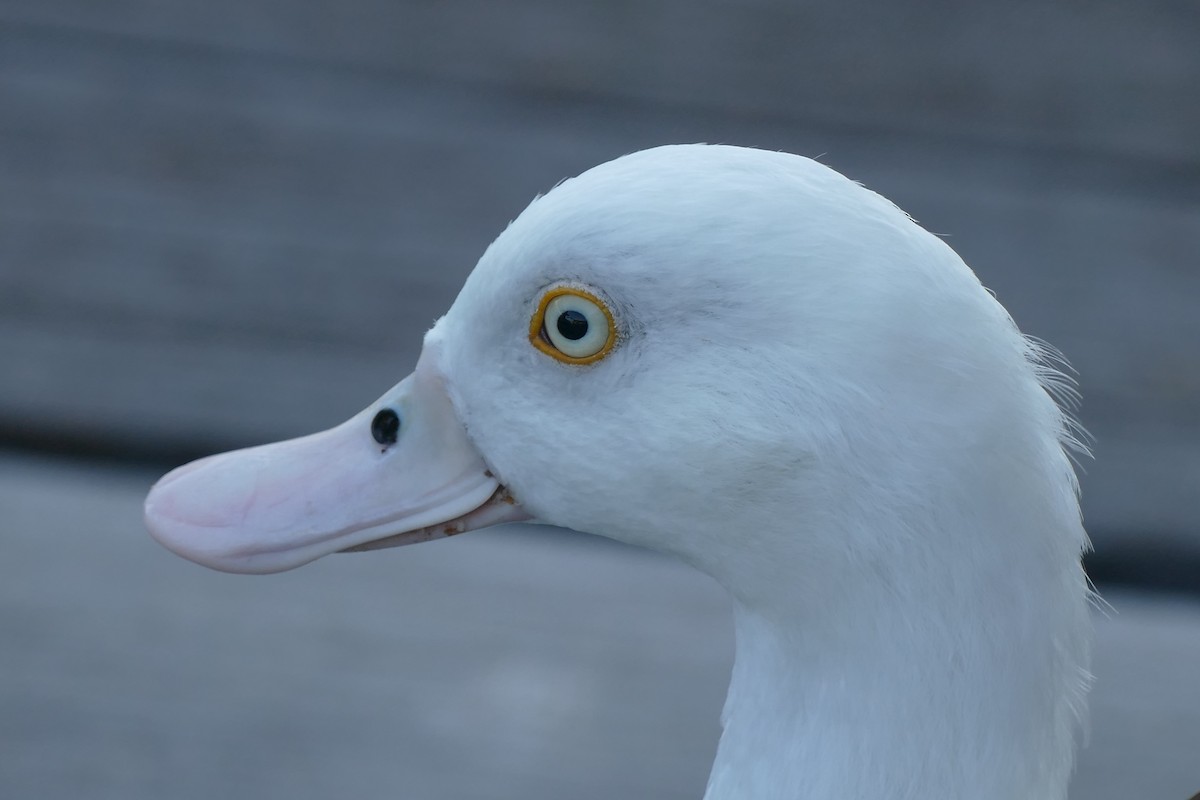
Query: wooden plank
(1118, 77)
(215, 288)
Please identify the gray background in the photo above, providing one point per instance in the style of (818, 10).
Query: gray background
(226, 222)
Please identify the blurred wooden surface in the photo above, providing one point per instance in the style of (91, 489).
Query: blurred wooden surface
(224, 222)
(1103, 75)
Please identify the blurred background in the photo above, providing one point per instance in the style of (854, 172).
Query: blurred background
(230, 221)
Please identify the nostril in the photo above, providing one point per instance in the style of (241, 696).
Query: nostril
(386, 426)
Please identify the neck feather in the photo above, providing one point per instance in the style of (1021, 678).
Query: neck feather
(957, 671)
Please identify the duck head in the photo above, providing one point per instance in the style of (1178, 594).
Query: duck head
(746, 360)
(756, 338)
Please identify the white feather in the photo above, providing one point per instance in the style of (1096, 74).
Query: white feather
(816, 402)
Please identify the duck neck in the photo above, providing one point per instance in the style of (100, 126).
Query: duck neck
(914, 683)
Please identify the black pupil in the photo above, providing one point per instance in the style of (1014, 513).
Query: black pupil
(572, 325)
(385, 426)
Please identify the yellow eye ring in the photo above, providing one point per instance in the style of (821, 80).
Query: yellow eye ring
(581, 331)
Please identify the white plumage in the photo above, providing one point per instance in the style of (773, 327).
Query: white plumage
(808, 397)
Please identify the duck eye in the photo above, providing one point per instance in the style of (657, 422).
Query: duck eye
(386, 427)
(572, 325)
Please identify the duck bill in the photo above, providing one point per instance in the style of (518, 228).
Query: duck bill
(278, 506)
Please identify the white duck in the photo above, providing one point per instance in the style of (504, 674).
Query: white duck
(749, 361)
